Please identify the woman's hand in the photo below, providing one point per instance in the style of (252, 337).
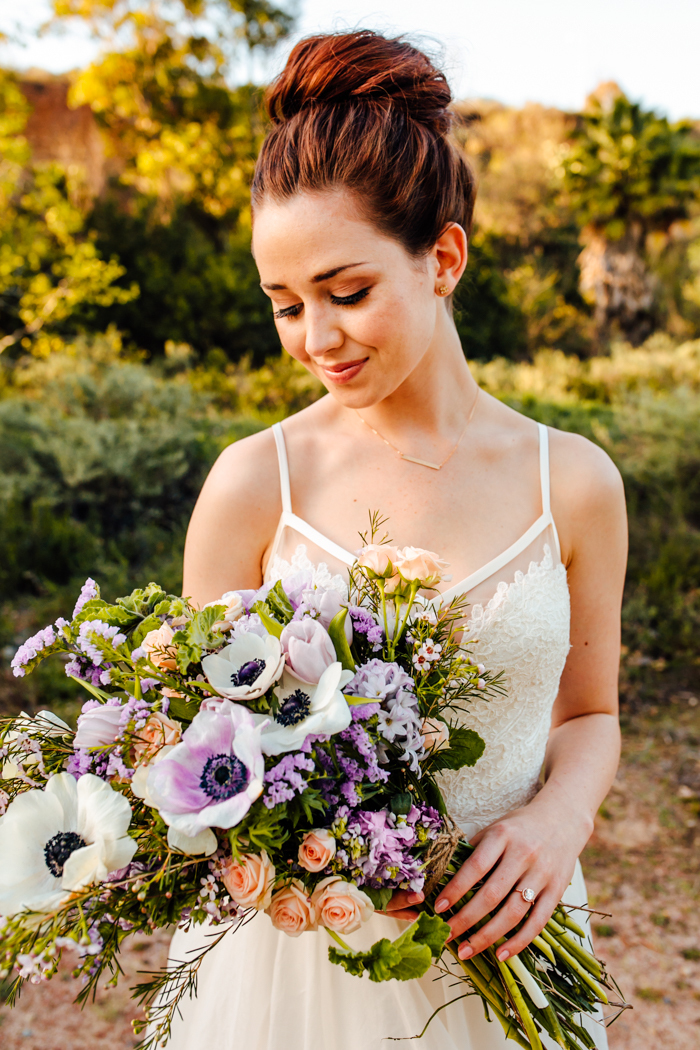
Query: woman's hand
(399, 907)
(531, 847)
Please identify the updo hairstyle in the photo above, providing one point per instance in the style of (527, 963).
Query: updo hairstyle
(371, 114)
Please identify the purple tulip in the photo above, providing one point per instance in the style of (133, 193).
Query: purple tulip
(308, 648)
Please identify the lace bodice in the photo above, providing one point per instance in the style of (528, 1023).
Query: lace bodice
(522, 629)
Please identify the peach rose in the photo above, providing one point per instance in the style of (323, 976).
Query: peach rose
(159, 647)
(291, 910)
(436, 735)
(423, 566)
(250, 880)
(378, 558)
(340, 905)
(317, 850)
(158, 732)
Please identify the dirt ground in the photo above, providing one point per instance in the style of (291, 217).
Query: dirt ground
(641, 866)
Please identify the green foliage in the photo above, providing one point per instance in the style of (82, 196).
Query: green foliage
(49, 265)
(409, 956)
(466, 747)
(629, 166)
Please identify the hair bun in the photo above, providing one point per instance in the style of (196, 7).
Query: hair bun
(361, 68)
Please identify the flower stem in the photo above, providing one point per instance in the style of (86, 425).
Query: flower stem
(337, 939)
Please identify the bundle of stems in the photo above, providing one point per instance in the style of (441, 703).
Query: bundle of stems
(548, 986)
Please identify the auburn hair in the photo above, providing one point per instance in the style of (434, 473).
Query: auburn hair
(371, 114)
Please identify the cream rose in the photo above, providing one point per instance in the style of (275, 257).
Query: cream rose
(159, 731)
(292, 911)
(249, 881)
(436, 735)
(378, 558)
(317, 850)
(340, 905)
(424, 567)
(159, 647)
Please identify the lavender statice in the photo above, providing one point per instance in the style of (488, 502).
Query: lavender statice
(83, 668)
(88, 591)
(358, 759)
(94, 636)
(284, 780)
(31, 649)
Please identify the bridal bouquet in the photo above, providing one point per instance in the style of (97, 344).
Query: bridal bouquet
(276, 751)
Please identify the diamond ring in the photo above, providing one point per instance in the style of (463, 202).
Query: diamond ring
(527, 894)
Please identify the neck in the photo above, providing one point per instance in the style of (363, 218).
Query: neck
(433, 402)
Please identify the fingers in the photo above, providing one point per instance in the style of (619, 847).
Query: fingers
(482, 860)
(488, 898)
(536, 921)
(399, 907)
(507, 916)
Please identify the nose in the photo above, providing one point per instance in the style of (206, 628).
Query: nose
(323, 333)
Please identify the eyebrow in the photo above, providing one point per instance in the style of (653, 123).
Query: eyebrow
(325, 276)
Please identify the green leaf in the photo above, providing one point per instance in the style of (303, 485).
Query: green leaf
(151, 623)
(186, 653)
(279, 603)
(336, 630)
(379, 898)
(199, 629)
(183, 709)
(401, 804)
(272, 626)
(466, 748)
(404, 959)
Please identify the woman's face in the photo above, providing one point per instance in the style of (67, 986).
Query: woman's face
(349, 303)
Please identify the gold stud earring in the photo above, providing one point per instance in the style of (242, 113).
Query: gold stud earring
(443, 290)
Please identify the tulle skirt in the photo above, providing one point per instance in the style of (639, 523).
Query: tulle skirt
(262, 990)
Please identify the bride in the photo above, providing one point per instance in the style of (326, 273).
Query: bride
(362, 209)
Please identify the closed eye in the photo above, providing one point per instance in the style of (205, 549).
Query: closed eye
(337, 300)
(350, 300)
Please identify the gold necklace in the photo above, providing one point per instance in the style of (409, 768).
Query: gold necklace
(425, 462)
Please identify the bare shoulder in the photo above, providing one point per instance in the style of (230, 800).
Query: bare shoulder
(246, 468)
(234, 520)
(588, 499)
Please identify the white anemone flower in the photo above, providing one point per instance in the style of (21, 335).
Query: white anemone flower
(305, 708)
(246, 668)
(60, 840)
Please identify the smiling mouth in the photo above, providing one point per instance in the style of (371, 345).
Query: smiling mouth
(345, 370)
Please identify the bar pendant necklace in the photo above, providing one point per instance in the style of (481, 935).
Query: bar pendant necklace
(415, 459)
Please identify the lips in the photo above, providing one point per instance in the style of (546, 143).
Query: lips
(344, 371)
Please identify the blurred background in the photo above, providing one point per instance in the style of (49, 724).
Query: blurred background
(135, 343)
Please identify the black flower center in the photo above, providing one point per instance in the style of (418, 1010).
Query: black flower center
(223, 776)
(248, 673)
(294, 708)
(58, 849)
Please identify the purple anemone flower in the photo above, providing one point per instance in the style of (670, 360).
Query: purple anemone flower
(212, 777)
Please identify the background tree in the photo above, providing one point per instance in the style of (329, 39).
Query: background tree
(50, 266)
(629, 176)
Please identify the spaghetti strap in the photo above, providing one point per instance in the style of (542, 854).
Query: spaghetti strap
(545, 484)
(544, 468)
(285, 489)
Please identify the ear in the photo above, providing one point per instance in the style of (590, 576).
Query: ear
(450, 255)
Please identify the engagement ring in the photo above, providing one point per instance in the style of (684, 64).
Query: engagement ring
(528, 895)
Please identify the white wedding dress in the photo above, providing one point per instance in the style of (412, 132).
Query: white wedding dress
(262, 990)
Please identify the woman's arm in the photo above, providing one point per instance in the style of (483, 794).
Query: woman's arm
(234, 520)
(537, 845)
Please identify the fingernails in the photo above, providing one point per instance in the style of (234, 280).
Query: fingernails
(415, 898)
(465, 951)
(503, 955)
(441, 904)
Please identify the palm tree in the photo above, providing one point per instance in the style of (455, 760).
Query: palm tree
(628, 173)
